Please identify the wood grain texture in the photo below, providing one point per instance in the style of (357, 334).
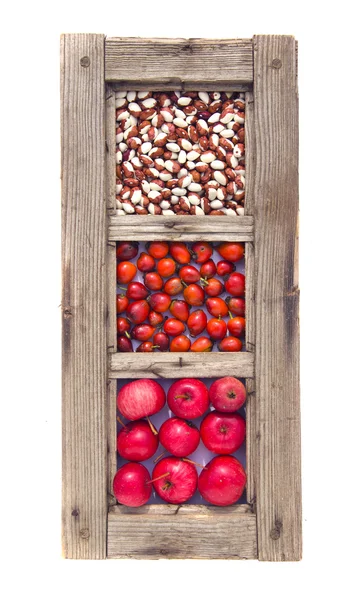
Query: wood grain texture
(110, 146)
(112, 437)
(192, 228)
(124, 365)
(278, 481)
(84, 509)
(188, 531)
(179, 64)
(111, 297)
(251, 439)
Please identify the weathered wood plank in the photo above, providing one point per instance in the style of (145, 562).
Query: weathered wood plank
(124, 365)
(251, 439)
(189, 531)
(187, 64)
(111, 290)
(190, 228)
(84, 508)
(110, 148)
(278, 481)
(112, 437)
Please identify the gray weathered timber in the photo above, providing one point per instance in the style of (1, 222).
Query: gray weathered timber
(187, 64)
(110, 148)
(188, 531)
(278, 480)
(111, 290)
(192, 228)
(112, 437)
(124, 365)
(251, 440)
(84, 509)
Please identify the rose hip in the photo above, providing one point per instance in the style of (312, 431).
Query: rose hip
(235, 284)
(194, 295)
(180, 252)
(138, 311)
(124, 344)
(145, 262)
(173, 327)
(230, 344)
(127, 250)
(181, 343)
(179, 309)
(142, 332)
(122, 303)
(158, 249)
(197, 322)
(161, 340)
(217, 307)
(202, 251)
(217, 329)
(153, 281)
(202, 344)
(213, 287)
(126, 271)
(237, 306)
(189, 274)
(166, 267)
(232, 251)
(225, 267)
(155, 318)
(136, 291)
(208, 269)
(160, 302)
(123, 325)
(236, 326)
(173, 286)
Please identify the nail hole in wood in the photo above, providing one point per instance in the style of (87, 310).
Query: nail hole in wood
(85, 61)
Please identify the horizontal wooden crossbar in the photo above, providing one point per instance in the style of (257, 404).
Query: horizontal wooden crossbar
(191, 531)
(176, 64)
(192, 228)
(124, 365)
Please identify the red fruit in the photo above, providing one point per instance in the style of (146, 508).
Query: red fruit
(160, 301)
(180, 252)
(161, 340)
(153, 281)
(197, 322)
(237, 306)
(208, 269)
(145, 262)
(225, 267)
(230, 344)
(126, 271)
(179, 437)
(140, 398)
(217, 307)
(213, 287)
(138, 311)
(177, 480)
(194, 294)
(216, 329)
(236, 326)
(123, 325)
(127, 250)
(146, 347)
(188, 398)
(202, 344)
(166, 267)
(136, 441)
(179, 309)
(181, 343)
(232, 251)
(155, 318)
(173, 286)
(189, 274)
(131, 485)
(158, 249)
(235, 284)
(173, 327)
(122, 303)
(202, 251)
(124, 344)
(227, 394)
(142, 332)
(136, 291)
(222, 481)
(223, 433)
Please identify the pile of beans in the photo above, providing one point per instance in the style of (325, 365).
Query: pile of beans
(180, 153)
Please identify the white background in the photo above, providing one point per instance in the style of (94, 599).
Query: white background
(329, 74)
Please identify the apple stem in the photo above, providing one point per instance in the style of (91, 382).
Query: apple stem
(185, 396)
(121, 422)
(158, 457)
(154, 431)
(194, 463)
(160, 477)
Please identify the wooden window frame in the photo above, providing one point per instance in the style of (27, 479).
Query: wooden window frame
(268, 527)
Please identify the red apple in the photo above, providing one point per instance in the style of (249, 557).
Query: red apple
(176, 480)
(223, 433)
(179, 437)
(140, 398)
(227, 394)
(136, 441)
(188, 398)
(131, 485)
(222, 481)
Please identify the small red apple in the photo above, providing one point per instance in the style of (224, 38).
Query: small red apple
(188, 398)
(179, 437)
(140, 398)
(223, 433)
(136, 441)
(131, 484)
(174, 480)
(222, 481)
(227, 394)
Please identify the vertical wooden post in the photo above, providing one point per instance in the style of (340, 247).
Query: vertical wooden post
(84, 301)
(278, 477)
